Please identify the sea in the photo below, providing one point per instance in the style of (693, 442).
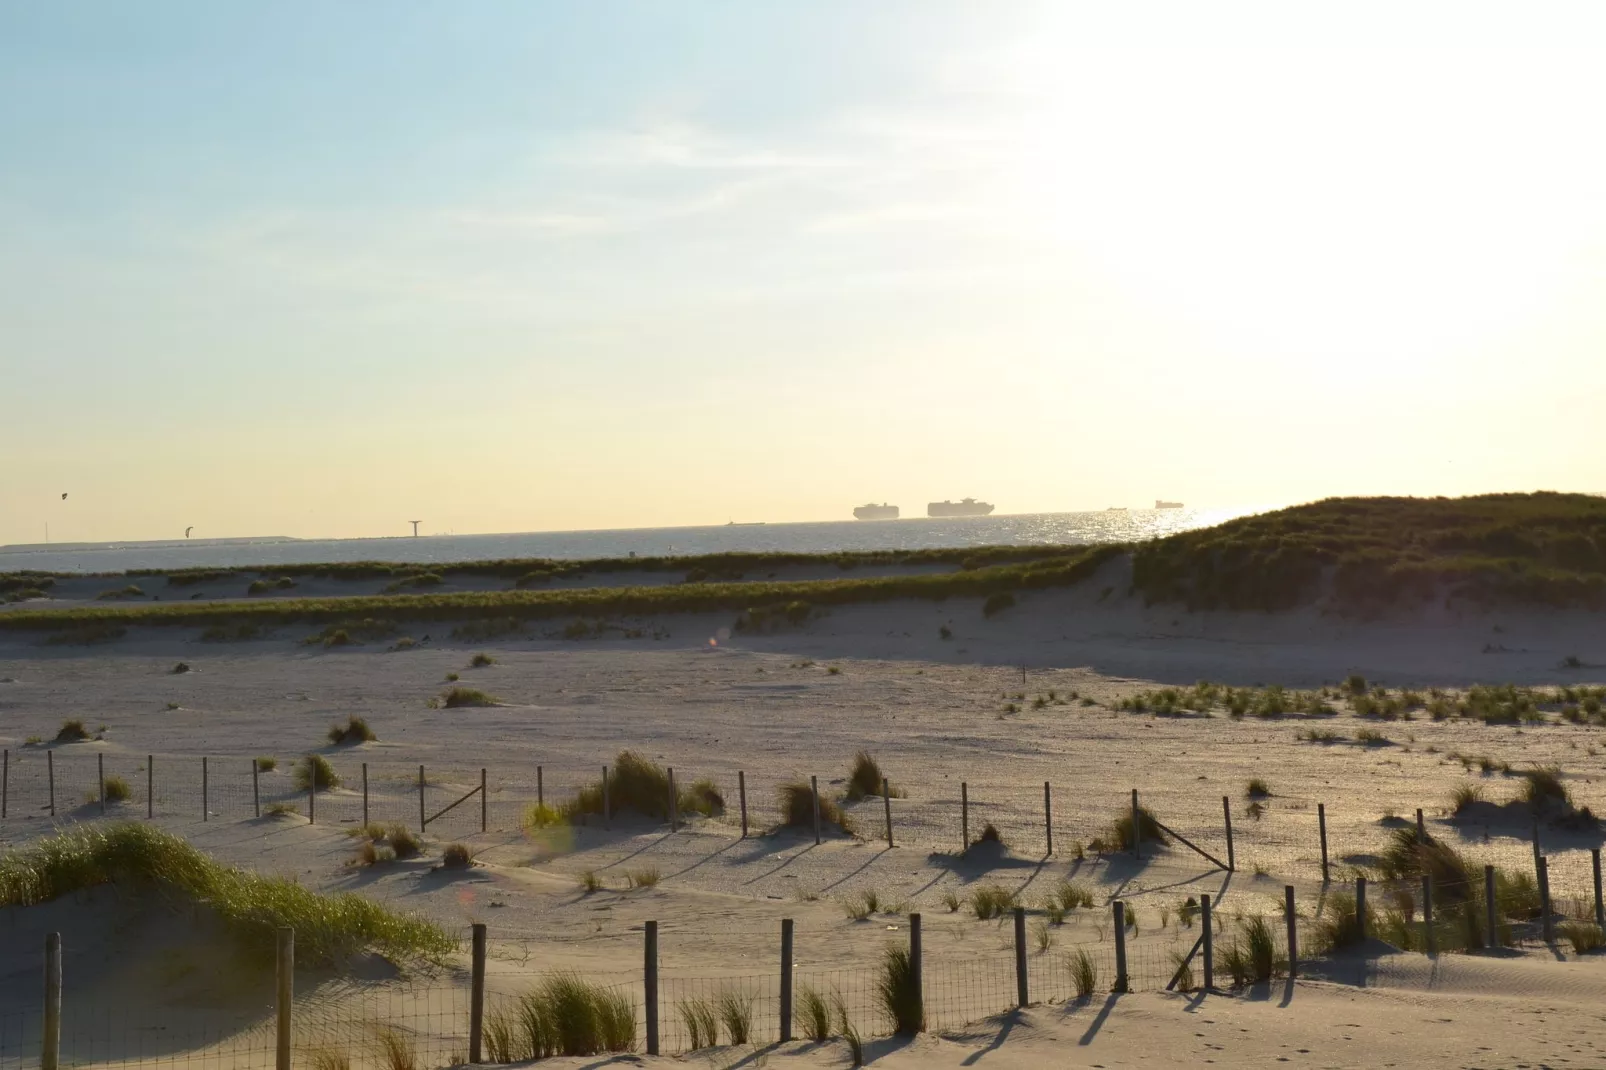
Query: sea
(913, 533)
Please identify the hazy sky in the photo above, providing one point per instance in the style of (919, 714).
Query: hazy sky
(318, 269)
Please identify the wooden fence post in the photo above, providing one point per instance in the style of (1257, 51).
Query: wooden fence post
(5, 784)
(1600, 905)
(1137, 828)
(1209, 938)
(1421, 827)
(814, 788)
(256, 790)
(1544, 900)
(50, 1053)
(1048, 815)
(206, 792)
(1360, 907)
(650, 985)
(741, 790)
(285, 993)
(364, 794)
(476, 997)
(312, 793)
(1226, 814)
(917, 965)
(964, 817)
(50, 767)
(674, 810)
(886, 803)
(1427, 915)
(1321, 823)
(786, 979)
(150, 786)
(607, 801)
(540, 787)
(421, 821)
(1021, 994)
(484, 804)
(100, 774)
(1491, 909)
(1293, 931)
(1122, 982)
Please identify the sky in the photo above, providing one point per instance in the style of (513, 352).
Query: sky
(321, 269)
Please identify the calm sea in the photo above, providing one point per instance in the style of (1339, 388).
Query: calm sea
(910, 534)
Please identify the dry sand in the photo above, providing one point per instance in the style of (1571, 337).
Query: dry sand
(934, 713)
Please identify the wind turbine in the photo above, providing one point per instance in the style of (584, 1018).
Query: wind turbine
(415, 524)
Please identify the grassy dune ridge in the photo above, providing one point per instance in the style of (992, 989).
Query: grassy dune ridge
(1067, 567)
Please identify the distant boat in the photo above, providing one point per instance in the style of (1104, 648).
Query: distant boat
(876, 512)
(968, 507)
(1159, 504)
(746, 524)
(1116, 509)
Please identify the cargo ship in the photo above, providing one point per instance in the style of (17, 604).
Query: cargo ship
(876, 512)
(968, 507)
(1161, 504)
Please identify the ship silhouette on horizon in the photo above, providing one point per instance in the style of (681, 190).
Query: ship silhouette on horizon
(968, 507)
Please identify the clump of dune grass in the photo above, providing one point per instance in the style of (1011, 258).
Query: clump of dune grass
(797, 809)
(565, 1015)
(590, 882)
(1257, 789)
(1084, 973)
(1182, 969)
(460, 697)
(117, 790)
(355, 730)
(480, 661)
(180, 669)
(736, 1014)
(635, 784)
(395, 1049)
(899, 994)
(951, 900)
(1408, 857)
(1148, 826)
(315, 771)
(329, 1059)
(989, 835)
(1043, 934)
(282, 809)
(701, 1020)
(865, 778)
(988, 901)
(1371, 737)
(72, 731)
(266, 763)
(813, 1013)
(702, 797)
(539, 816)
(1250, 957)
(329, 928)
(457, 856)
(1585, 936)
(1542, 789)
(1070, 895)
(645, 877)
(403, 841)
(1338, 926)
(1464, 797)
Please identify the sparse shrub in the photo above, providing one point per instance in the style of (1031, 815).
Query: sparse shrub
(266, 764)
(702, 797)
(281, 809)
(951, 900)
(1148, 826)
(701, 1021)
(452, 677)
(797, 808)
(814, 1013)
(645, 877)
(989, 835)
(1370, 737)
(72, 731)
(865, 778)
(480, 661)
(1071, 895)
(355, 730)
(1084, 974)
(403, 841)
(460, 697)
(1584, 936)
(567, 1016)
(1338, 926)
(1464, 797)
(1542, 789)
(539, 816)
(900, 997)
(180, 669)
(117, 790)
(457, 856)
(997, 603)
(990, 901)
(736, 1013)
(1257, 789)
(590, 882)
(315, 771)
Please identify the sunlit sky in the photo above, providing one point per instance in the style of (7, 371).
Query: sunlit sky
(320, 269)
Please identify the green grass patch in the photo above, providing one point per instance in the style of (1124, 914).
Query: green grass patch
(564, 1015)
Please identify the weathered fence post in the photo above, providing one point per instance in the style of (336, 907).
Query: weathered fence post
(312, 793)
(1544, 900)
(150, 786)
(1137, 828)
(607, 801)
(100, 773)
(540, 787)
(50, 1053)
(1048, 815)
(285, 994)
(674, 809)
(741, 791)
(786, 979)
(1209, 938)
(1421, 827)
(476, 996)
(1491, 909)
(50, 768)
(814, 789)
(964, 817)
(1360, 907)
(1122, 983)
(364, 794)
(1226, 814)
(1600, 905)
(1536, 844)
(1427, 914)
(256, 791)
(206, 792)
(484, 803)
(1321, 823)
(1293, 931)
(421, 821)
(1021, 995)
(650, 986)
(5, 787)
(917, 967)
(886, 805)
